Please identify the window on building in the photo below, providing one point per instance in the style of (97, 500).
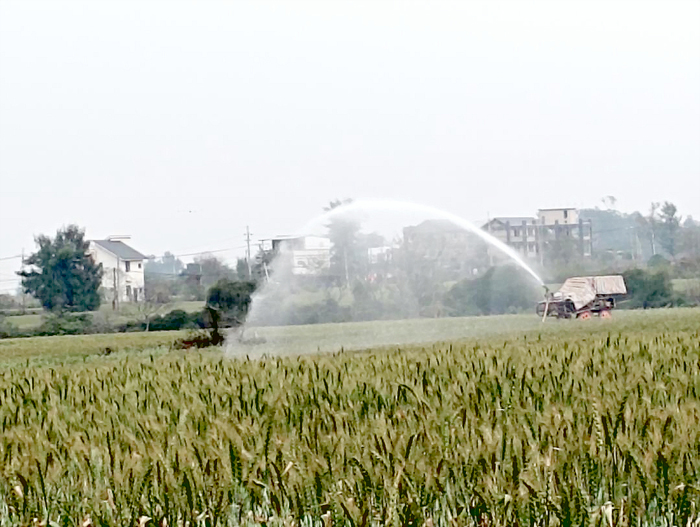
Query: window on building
(566, 214)
(127, 266)
(139, 265)
(128, 291)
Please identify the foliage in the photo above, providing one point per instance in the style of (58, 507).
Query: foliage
(615, 231)
(167, 265)
(173, 320)
(541, 429)
(689, 240)
(640, 236)
(657, 261)
(227, 305)
(648, 289)
(62, 275)
(162, 278)
(161, 289)
(669, 228)
(231, 298)
(67, 324)
(500, 290)
(7, 330)
(10, 302)
(346, 256)
(213, 270)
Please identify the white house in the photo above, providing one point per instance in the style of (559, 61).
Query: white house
(123, 269)
(305, 255)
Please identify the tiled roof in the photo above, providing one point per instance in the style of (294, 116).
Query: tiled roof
(120, 249)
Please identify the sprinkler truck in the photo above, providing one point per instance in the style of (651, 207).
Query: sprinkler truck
(583, 297)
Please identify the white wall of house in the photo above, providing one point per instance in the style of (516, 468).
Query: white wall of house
(127, 275)
(305, 255)
(564, 216)
(312, 256)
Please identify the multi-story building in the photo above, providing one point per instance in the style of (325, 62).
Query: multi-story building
(518, 232)
(533, 236)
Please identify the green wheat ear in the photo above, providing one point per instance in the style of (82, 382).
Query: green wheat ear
(499, 433)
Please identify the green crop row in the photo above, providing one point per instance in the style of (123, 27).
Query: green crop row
(600, 428)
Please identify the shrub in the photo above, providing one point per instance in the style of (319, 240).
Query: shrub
(66, 324)
(231, 299)
(648, 289)
(500, 290)
(174, 320)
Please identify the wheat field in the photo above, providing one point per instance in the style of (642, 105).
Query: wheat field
(584, 423)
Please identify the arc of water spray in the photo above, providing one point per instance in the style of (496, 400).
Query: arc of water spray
(389, 205)
(402, 206)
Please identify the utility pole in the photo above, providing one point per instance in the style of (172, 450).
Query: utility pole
(115, 277)
(247, 254)
(24, 295)
(114, 298)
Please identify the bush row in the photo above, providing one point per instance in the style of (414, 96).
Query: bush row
(86, 324)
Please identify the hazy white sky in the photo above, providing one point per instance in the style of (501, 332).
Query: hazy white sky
(181, 122)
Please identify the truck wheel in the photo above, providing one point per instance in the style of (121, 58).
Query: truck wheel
(584, 315)
(605, 313)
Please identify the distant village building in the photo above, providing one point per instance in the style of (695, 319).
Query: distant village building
(520, 233)
(531, 236)
(123, 269)
(304, 255)
(561, 216)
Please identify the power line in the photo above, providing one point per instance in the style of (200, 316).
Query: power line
(160, 256)
(198, 253)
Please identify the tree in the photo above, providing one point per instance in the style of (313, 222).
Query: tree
(167, 265)
(231, 299)
(62, 275)
(670, 224)
(609, 202)
(163, 280)
(652, 222)
(690, 239)
(500, 290)
(213, 270)
(648, 289)
(615, 232)
(343, 232)
(145, 311)
(242, 269)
